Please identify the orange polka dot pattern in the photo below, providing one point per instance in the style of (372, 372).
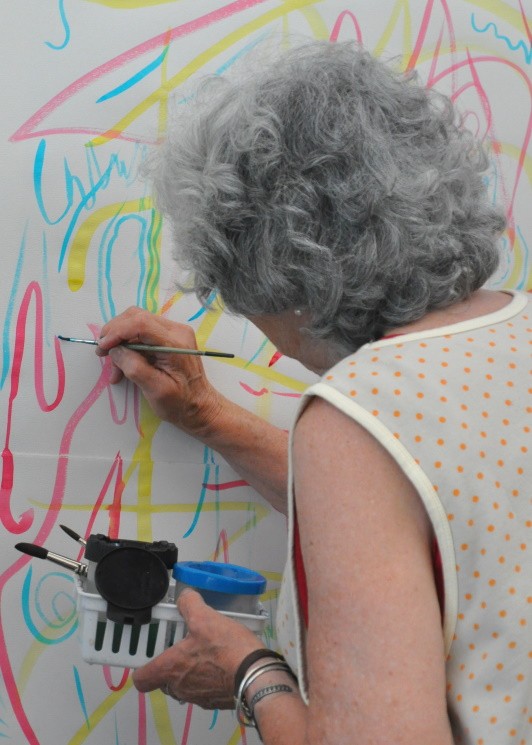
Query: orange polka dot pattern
(461, 405)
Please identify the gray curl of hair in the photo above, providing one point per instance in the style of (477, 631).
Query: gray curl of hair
(324, 180)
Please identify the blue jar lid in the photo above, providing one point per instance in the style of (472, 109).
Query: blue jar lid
(213, 575)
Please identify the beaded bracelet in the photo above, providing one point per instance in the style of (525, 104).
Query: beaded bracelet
(278, 688)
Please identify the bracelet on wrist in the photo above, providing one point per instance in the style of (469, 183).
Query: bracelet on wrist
(244, 711)
(249, 660)
(277, 688)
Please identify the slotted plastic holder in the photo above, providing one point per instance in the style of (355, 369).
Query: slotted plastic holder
(106, 642)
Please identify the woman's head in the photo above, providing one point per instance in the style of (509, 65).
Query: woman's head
(325, 181)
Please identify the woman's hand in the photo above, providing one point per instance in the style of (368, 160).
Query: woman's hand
(201, 668)
(174, 385)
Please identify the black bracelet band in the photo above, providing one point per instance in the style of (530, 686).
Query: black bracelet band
(252, 657)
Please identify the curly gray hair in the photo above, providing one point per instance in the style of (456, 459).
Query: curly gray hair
(326, 181)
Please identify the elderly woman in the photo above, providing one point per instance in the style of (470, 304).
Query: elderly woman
(339, 207)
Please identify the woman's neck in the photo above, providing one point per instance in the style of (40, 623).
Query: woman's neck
(481, 303)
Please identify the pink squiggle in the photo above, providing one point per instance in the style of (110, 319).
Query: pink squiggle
(43, 533)
(142, 729)
(95, 331)
(109, 681)
(335, 33)
(28, 129)
(525, 22)
(263, 391)
(136, 410)
(8, 464)
(528, 134)
(423, 29)
(186, 728)
(114, 509)
(253, 392)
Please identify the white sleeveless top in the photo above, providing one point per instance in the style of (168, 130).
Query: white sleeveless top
(453, 407)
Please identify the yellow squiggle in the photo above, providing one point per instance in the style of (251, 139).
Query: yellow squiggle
(163, 108)
(197, 63)
(77, 256)
(236, 737)
(99, 713)
(30, 660)
(154, 263)
(514, 152)
(516, 277)
(161, 718)
(143, 461)
(401, 6)
(316, 23)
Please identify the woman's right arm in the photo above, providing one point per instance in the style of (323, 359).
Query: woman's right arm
(178, 391)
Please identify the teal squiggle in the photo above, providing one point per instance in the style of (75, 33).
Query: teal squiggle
(521, 285)
(134, 79)
(81, 697)
(66, 27)
(201, 500)
(514, 47)
(26, 588)
(6, 350)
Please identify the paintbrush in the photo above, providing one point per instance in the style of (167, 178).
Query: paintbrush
(39, 552)
(74, 535)
(153, 349)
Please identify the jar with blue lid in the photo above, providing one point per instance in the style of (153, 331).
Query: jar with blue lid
(225, 587)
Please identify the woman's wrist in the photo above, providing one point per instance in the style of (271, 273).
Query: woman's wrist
(262, 674)
(272, 677)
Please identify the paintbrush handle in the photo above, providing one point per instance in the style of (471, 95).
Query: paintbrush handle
(151, 348)
(176, 350)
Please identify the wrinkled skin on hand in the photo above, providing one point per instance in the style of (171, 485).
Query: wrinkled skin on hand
(201, 668)
(174, 385)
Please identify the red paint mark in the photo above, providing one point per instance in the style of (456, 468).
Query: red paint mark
(186, 728)
(142, 720)
(335, 33)
(288, 395)
(225, 485)
(109, 680)
(114, 509)
(253, 392)
(275, 357)
(223, 542)
(8, 465)
(421, 37)
(29, 128)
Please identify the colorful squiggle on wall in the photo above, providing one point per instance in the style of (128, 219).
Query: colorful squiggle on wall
(87, 97)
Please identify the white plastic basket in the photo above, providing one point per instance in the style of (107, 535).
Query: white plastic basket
(108, 643)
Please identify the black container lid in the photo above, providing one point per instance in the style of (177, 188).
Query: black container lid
(132, 580)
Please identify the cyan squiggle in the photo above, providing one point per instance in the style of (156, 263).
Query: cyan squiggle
(514, 47)
(65, 26)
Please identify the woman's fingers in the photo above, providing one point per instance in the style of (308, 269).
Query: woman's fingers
(141, 327)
